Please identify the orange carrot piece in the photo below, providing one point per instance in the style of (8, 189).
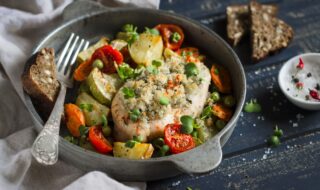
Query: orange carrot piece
(75, 118)
(222, 112)
(221, 78)
(83, 70)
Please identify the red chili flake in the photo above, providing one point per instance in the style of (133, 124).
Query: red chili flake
(314, 94)
(301, 64)
(299, 85)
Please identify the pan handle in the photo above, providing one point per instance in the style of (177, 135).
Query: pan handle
(202, 159)
(80, 8)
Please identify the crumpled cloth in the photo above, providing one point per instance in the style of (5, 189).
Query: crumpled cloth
(22, 24)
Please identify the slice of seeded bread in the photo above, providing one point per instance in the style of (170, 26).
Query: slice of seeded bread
(268, 33)
(40, 81)
(238, 20)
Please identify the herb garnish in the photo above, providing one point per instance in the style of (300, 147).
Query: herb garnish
(86, 107)
(152, 31)
(175, 37)
(128, 93)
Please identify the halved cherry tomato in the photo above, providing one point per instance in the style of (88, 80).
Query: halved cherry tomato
(98, 141)
(166, 31)
(107, 54)
(177, 141)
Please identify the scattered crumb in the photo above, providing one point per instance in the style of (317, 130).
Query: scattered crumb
(254, 125)
(264, 157)
(241, 134)
(295, 124)
(229, 175)
(176, 183)
(243, 159)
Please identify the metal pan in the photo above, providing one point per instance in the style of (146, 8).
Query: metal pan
(91, 21)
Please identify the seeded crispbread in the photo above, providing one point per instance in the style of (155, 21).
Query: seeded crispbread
(268, 33)
(238, 20)
(40, 80)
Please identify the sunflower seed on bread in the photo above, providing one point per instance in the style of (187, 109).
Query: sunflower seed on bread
(238, 20)
(40, 80)
(268, 33)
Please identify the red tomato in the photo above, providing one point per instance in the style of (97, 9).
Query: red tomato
(166, 31)
(107, 54)
(98, 141)
(177, 141)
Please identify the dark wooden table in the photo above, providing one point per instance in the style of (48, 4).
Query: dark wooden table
(248, 162)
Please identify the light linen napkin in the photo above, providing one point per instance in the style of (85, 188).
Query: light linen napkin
(22, 24)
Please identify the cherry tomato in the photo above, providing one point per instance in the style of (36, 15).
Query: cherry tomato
(98, 141)
(168, 33)
(177, 141)
(108, 55)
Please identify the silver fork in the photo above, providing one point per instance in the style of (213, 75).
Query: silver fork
(45, 147)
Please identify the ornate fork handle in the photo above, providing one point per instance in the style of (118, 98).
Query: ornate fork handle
(45, 147)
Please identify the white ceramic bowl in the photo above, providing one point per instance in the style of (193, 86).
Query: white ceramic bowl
(312, 65)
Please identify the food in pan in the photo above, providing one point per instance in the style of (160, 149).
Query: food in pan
(144, 95)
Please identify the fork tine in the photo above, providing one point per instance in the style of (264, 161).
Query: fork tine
(64, 50)
(66, 60)
(73, 60)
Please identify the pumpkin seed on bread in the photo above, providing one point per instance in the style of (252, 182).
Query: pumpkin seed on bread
(268, 33)
(40, 80)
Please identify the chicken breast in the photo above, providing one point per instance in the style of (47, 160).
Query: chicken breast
(161, 98)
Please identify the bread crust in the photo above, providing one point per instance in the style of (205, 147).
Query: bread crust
(33, 80)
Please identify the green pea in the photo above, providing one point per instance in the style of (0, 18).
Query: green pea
(220, 124)
(106, 130)
(278, 132)
(229, 101)
(274, 141)
(164, 100)
(215, 96)
(98, 64)
(194, 134)
(158, 142)
(191, 69)
(138, 138)
(187, 124)
(165, 148)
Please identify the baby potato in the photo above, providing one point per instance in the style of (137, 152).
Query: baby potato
(139, 151)
(146, 49)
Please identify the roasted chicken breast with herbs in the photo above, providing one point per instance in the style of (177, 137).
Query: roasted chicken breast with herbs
(159, 97)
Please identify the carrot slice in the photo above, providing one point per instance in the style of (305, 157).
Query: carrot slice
(75, 118)
(83, 70)
(221, 78)
(222, 111)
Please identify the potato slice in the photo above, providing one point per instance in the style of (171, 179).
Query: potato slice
(139, 151)
(146, 49)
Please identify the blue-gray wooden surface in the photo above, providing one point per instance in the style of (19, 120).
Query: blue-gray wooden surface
(248, 161)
